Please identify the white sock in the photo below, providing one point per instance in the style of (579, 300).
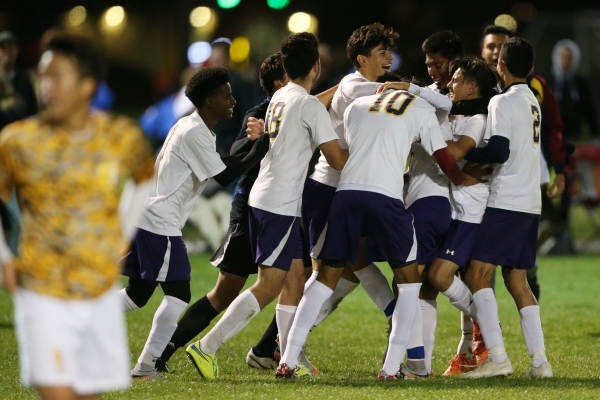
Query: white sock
(466, 341)
(237, 316)
(343, 289)
(310, 280)
(534, 336)
(459, 295)
(308, 310)
(376, 285)
(163, 327)
(487, 316)
(285, 316)
(402, 321)
(429, 311)
(416, 333)
(128, 304)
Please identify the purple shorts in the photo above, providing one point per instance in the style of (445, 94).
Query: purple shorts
(157, 258)
(275, 239)
(459, 243)
(383, 220)
(316, 202)
(432, 219)
(507, 238)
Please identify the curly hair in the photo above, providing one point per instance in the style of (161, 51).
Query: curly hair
(204, 84)
(366, 38)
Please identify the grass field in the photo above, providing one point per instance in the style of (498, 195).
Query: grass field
(348, 348)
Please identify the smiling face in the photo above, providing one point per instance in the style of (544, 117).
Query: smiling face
(461, 89)
(437, 68)
(222, 102)
(377, 63)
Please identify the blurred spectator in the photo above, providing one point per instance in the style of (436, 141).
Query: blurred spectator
(104, 98)
(572, 91)
(18, 97)
(327, 78)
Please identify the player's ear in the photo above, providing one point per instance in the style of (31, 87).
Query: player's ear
(362, 60)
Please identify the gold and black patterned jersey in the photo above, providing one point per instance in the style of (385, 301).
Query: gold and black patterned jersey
(68, 190)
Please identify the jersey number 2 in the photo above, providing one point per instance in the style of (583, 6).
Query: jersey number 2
(536, 123)
(274, 120)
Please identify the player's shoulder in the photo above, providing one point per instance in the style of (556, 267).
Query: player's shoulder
(23, 131)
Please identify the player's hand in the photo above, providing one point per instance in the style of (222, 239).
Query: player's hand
(255, 128)
(393, 85)
(9, 277)
(474, 173)
(557, 187)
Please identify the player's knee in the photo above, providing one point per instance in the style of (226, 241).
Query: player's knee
(334, 263)
(178, 289)
(140, 291)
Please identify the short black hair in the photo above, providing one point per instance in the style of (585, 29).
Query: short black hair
(518, 56)
(366, 38)
(392, 77)
(445, 43)
(85, 52)
(496, 30)
(271, 70)
(205, 83)
(300, 52)
(476, 70)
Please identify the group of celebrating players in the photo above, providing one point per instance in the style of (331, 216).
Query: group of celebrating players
(441, 182)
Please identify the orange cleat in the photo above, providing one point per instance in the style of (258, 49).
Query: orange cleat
(479, 350)
(460, 364)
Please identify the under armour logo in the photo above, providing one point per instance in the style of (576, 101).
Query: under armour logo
(450, 252)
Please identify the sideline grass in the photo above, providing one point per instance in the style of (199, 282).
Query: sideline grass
(349, 345)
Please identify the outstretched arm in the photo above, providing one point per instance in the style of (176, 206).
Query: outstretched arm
(460, 148)
(496, 152)
(239, 164)
(327, 96)
(336, 156)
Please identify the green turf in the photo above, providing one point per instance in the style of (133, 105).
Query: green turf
(348, 348)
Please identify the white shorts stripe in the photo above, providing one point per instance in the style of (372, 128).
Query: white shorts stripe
(164, 270)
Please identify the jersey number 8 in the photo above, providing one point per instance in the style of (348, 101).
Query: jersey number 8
(536, 123)
(396, 103)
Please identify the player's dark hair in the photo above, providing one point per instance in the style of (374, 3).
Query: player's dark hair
(389, 77)
(299, 52)
(83, 50)
(496, 30)
(445, 43)
(476, 70)
(366, 38)
(518, 55)
(205, 83)
(271, 70)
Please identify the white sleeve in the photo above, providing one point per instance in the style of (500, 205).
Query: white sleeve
(5, 253)
(199, 153)
(317, 121)
(499, 118)
(474, 128)
(354, 89)
(431, 135)
(439, 101)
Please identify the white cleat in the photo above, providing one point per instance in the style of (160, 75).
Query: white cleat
(543, 371)
(144, 372)
(490, 369)
(257, 362)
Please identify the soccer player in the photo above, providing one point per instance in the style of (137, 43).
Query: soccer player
(507, 234)
(472, 85)
(296, 123)
(67, 167)
(551, 138)
(234, 257)
(187, 160)
(368, 214)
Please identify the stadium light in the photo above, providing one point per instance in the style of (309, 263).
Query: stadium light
(239, 50)
(200, 16)
(506, 21)
(198, 52)
(228, 3)
(114, 16)
(77, 16)
(278, 4)
(303, 22)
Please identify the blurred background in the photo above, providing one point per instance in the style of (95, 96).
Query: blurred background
(154, 46)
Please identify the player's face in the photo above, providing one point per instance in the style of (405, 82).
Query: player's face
(63, 90)
(437, 68)
(379, 60)
(459, 89)
(492, 43)
(223, 102)
(566, 57)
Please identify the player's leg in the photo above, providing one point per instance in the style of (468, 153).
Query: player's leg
(287, 305)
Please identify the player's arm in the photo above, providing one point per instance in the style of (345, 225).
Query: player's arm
(438, 100)
(252, 127)
(460, 148)
(238, 164)
(355, 89)
(497, 151)
(327, 96)
(336, 156)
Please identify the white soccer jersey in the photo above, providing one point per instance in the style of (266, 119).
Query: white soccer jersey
(515, 185)
(351, 87)
(426, 178)
(469, 202)
(297, 123)
(380, 130)
(185, 163)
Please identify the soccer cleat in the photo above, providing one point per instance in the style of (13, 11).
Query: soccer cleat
(414, 370)
(206, 364)
(161, 366)
(478, 345)
(283, 371)
(385, 377)
(257, 362)
(144, 372)
(304, 361)
(543, 371)
(459, 364)
(490, 369)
